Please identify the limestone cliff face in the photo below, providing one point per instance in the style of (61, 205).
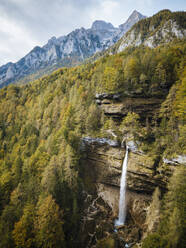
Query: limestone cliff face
(117, 106)
(105, 163)
(102, 166)
(101, 172)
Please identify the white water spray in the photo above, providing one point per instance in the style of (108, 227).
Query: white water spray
(122, 201)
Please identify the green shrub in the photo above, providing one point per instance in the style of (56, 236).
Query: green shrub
(154, 241)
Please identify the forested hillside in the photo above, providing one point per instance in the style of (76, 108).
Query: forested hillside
(41, 129)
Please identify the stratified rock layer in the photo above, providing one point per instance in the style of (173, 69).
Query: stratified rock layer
(101, 168)
(118, 106)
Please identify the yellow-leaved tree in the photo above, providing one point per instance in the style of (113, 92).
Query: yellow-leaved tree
(112, 79)
(48, 224)
(23, 233)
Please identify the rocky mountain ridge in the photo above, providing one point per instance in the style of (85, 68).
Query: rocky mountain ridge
(159, 29)
(67, 50)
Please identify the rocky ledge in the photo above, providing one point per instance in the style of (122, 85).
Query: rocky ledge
(118, 106)
(99, 142)
(180, 159)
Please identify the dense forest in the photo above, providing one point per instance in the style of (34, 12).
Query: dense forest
(41, 127)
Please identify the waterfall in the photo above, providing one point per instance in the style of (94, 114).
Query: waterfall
(122, 200)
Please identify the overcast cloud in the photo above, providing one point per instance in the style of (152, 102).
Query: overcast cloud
(27, 23)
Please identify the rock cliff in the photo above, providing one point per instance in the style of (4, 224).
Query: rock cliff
(102, 165)
(101, 172)
(117, 106)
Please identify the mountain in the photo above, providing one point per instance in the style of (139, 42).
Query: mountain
(67, 50)
(161, 28)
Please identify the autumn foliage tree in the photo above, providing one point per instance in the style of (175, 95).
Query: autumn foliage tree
(48, 224)
(23, 232)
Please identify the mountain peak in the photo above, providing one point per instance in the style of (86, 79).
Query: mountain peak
(52, 40)
(161, 28)
(133, 18)
(136, 14)
(101, 25)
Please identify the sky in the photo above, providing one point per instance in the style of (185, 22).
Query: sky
(27, 23)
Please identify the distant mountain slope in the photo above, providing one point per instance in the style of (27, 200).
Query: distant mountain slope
(153, 31)
(67, 50)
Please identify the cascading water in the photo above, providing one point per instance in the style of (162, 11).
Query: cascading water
(122, 201)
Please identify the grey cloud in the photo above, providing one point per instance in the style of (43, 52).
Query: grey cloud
(45, 17)
(40, 20)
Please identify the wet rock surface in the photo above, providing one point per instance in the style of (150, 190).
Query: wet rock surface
(101, 168)
(99, 141)
(105, 160)
(180, 159)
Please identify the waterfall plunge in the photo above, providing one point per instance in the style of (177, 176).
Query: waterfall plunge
(122, 201)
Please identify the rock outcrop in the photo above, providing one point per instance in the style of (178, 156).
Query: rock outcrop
(180, 159)
(118, 106)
